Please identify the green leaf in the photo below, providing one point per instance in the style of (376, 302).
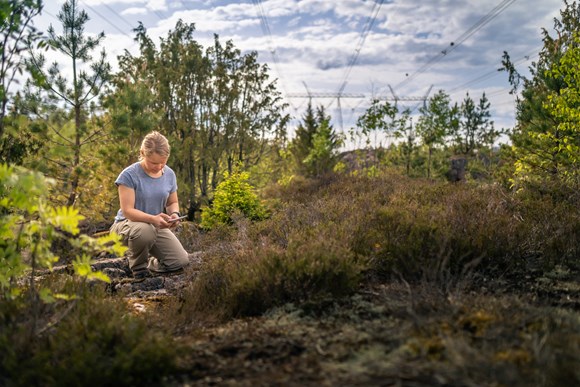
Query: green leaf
(46, 296)
(99, 275)
(82, 269)
(66, 218)
(66, 297)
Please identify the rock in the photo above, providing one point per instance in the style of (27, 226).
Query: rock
(123, 282)
(131, 285)
(114, 273)
(458, 167)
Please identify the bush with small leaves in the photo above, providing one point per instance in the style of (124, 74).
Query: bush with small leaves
(233, 196)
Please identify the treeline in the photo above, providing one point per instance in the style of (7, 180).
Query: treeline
(222, 111)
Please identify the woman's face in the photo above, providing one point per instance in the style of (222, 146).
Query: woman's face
(154, 163)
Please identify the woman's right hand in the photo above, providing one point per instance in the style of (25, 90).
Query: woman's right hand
(161, 221)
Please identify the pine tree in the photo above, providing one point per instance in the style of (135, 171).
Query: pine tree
(304, 136)
(17, 35)
(315, 144)
(322, 157)
(475, 129)
(217, 106)
(540, 139)
(77, 93)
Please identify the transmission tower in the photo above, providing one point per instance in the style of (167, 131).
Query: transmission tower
(392, 97)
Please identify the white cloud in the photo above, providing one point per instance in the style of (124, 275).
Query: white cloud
(156, 5)
(315, 39)
(107, 2)
(134, 11)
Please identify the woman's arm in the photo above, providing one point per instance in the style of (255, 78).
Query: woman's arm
(172, 206)
(127, 202)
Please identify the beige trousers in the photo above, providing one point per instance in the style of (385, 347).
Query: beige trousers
(144, 240)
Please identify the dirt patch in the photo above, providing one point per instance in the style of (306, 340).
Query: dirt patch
(390, 335)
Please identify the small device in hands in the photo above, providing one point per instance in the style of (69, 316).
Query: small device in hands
(176, 219)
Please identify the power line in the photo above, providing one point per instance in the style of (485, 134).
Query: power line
(498, 92)
(310, 95)
(385, 97)
(482, 22)
(367, 28)
(462, 38)
(494, 73)
(268, 35)
(105, 19)
(159, 15)
(364, 33)
(120, 17)
(48, 13)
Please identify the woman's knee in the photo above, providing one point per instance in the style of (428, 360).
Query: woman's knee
(142, 231)
(183, 258)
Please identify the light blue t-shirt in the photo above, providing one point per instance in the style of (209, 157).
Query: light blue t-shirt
(150, 193)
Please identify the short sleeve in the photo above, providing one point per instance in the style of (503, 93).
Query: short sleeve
(125, 179)
(172, 182)
(174, 185)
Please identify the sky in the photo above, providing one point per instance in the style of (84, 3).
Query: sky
(319, 50)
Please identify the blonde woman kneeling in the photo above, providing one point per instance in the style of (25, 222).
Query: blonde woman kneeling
(148, 199)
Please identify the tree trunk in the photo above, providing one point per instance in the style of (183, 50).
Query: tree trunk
(429, 163)
(76, 159)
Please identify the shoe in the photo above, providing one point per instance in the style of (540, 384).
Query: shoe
(167, 273)
(141, 274)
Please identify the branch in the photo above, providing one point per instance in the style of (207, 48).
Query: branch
(59, 135)
(98, 133)
(56, 319)
(60, 164)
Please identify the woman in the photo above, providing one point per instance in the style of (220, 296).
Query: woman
(149, 209)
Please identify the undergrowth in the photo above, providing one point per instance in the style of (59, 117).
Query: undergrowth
(393, 335)
(332, 236)
(93, 339)
(326, 244)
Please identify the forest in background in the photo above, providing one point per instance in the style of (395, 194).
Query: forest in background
(324, 252)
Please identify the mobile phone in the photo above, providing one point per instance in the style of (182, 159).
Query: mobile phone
(176, 219)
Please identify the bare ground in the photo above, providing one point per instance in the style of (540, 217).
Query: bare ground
(518, 331)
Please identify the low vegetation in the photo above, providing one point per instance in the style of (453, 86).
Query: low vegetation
(360, 230)
(367, 280)
(354, 278)
(92, 338)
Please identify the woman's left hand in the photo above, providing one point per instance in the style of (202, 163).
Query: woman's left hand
(174, 223)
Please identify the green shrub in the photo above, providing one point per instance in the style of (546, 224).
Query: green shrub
(233, 195)
(35, 303)
(29, 226)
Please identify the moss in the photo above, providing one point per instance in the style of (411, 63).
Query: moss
(517, 356)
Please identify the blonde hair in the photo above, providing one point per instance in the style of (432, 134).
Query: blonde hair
(156, 143)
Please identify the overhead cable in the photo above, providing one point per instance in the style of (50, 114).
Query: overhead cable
(494, 72)
(105, 19)
(268, 35)
(496, 11)
(367, 28)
